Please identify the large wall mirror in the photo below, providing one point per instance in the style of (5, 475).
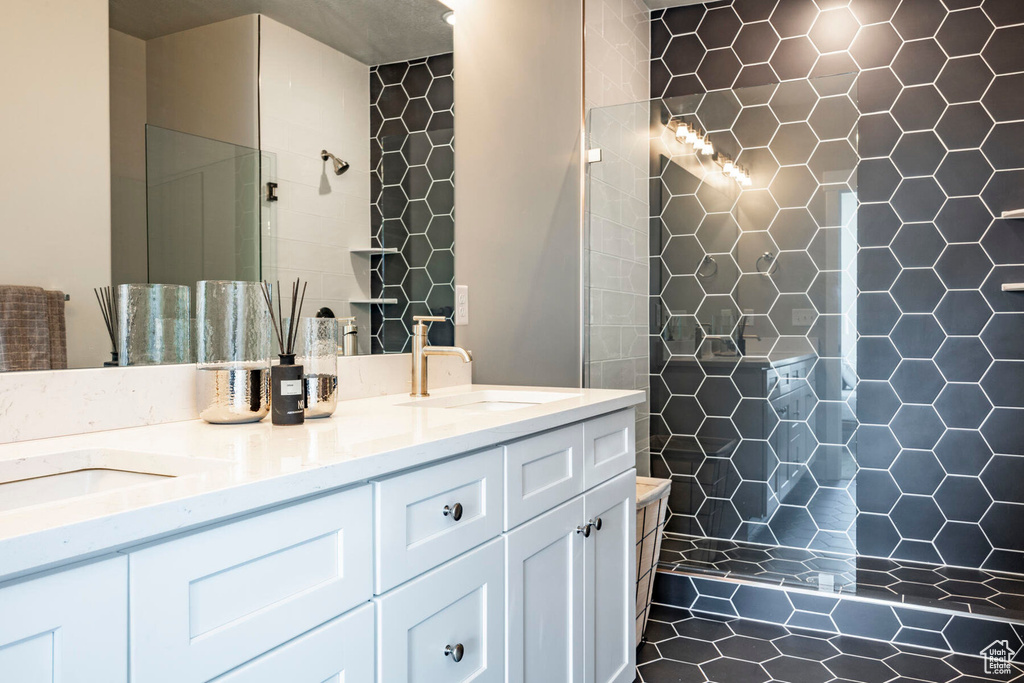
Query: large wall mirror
(259, 140)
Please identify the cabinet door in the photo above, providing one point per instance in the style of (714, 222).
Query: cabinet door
(609, 446)
(541, 472)
(340, 650)
(207, 602)
(544, 598)
(446, 626)
(610, 584)
(416, 525)
(71, 626)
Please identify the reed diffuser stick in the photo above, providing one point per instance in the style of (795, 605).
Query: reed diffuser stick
(286, 338)
(268, 297)
(107, 299)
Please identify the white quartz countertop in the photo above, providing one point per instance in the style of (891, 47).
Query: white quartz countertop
(261, 466)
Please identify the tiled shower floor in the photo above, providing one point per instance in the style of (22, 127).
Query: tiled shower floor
(965, 590)
(682, 648)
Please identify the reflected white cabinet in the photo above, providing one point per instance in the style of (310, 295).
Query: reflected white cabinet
(570, 590)
(70, 626)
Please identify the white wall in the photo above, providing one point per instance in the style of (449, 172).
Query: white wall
(313, 97)
(127, 158)
(55, 175)
(518, 104)
(617, 89)
(204, 81)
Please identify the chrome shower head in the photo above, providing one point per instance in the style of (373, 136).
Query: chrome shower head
(339, 165)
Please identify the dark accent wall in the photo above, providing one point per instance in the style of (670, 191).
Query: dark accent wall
(413, 192)
(892, 417)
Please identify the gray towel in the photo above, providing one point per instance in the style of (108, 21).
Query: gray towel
(58, 330)
(24, 329)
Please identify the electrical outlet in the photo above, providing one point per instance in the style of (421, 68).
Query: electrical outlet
(803, 317)
(461, 304)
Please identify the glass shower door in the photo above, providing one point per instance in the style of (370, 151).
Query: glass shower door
(203, 209)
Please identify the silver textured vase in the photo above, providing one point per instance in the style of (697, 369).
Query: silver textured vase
(232, 352)
(233, 395)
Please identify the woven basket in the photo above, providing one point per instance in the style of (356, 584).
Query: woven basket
(651, 505)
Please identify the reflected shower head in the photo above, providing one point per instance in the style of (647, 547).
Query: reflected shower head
(339, 165)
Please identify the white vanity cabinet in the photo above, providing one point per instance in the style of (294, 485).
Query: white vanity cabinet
(513, 563)
(447, 626)
(570, 590)
(337, 652)
(209, 601)
(70, 626)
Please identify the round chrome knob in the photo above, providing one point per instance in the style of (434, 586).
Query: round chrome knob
(455, 512)
(596, 523)
(455, 652)
(585, 530)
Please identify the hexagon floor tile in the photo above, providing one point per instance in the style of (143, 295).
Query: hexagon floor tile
(973, 591)
(697, 648)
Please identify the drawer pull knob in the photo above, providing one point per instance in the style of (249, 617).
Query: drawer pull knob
(455, 652)
(585, 530)
(456, 513)
(596, 523)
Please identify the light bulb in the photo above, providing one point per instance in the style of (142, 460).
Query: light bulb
(727, 167)
(708, 149)
(449, 18)
(681, 131)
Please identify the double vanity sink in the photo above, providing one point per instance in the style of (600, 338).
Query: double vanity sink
(401, 539)
(54, 477)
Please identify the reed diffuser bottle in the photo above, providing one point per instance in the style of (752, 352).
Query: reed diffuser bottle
(287, 404)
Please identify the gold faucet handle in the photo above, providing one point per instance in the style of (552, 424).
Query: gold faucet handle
(425, 320)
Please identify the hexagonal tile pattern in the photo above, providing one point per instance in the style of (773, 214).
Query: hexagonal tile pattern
(872, 211)
(416, 199)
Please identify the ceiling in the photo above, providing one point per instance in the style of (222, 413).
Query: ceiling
(662, 4)
(372, 31)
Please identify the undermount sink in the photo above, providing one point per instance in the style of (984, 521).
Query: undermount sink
(54, 477)
(490, 401)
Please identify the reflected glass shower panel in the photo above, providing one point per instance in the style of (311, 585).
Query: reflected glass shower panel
(203, 209)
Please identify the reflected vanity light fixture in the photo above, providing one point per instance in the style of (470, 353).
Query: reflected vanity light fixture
(701, 142)
(449, 17)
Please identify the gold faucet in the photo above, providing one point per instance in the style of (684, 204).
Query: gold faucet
(421, 350)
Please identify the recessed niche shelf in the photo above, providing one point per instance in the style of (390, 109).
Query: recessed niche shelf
(374, 251)
(1013, 287)
(1016, 213)
(372, 302)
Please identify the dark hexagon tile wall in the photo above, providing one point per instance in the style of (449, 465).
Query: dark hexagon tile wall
(412, 152)
(927, 403)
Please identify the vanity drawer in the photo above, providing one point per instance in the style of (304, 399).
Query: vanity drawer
(416, 528)
(341, 650)
(542, 472)
(460, 603)
(609, 447)
(202, 604)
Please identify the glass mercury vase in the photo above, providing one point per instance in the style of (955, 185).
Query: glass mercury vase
(318, 354)
(153, 324)
(232, 352)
